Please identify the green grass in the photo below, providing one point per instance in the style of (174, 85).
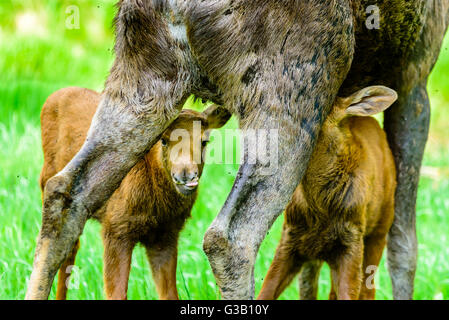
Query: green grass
(35, 63)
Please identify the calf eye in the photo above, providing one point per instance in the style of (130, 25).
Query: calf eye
(164, 142)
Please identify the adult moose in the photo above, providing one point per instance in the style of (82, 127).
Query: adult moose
(276, 65)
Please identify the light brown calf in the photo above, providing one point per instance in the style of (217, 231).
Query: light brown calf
(343, 209)
(153, 201)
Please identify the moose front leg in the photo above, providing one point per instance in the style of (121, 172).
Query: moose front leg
(407, 126)
(232, 241)
(145, 91)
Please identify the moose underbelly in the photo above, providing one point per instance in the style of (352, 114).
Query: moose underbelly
(384, 37)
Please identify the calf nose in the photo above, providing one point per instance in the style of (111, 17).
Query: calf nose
(188, 178)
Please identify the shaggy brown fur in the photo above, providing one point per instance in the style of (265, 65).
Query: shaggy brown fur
(153, 201)
(343, 209)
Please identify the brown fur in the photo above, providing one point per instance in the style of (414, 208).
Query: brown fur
(343, 209)
(146, 208)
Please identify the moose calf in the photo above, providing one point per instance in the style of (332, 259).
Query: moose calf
(342, 210)
(153, 201)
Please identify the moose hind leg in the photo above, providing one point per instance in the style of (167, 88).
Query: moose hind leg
(407, 126)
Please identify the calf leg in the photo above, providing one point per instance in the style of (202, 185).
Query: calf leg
(286, 264)
(374, 246)
(116, 266)
(332, 292)
(308, 280)
(347, 273)
(64, 273)
(163, 259)
(407, 125)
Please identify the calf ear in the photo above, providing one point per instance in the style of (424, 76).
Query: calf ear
(216, 116)
(370, 101)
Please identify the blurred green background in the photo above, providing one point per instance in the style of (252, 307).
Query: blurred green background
(39, 54)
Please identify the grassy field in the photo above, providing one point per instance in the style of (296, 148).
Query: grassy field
(39, 55)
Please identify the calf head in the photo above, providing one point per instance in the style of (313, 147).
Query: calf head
(183, 144)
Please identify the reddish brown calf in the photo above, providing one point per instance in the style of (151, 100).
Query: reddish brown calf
(153, 201)
(343, 209)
